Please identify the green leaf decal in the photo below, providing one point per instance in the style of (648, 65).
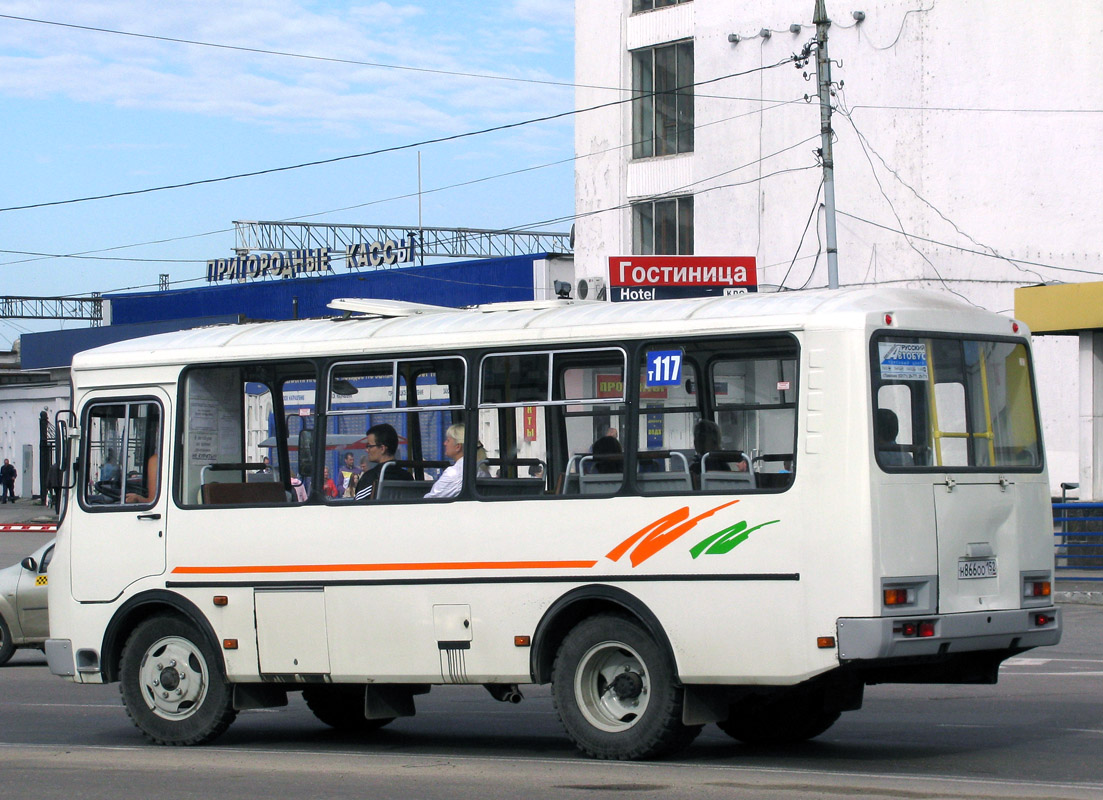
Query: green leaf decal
(726, 540)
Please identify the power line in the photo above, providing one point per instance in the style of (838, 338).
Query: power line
(867, 148)
(966, 249)
(815, 208)
(392, 149)
(89, 253)
(304, 56)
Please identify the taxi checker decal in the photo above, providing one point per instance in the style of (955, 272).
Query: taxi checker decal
(40, 580)
(657, 535)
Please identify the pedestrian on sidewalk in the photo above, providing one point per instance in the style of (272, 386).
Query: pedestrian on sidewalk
(7, 481)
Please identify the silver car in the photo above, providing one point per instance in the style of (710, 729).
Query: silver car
(24, 621)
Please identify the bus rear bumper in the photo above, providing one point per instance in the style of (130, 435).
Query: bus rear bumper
(868, 638)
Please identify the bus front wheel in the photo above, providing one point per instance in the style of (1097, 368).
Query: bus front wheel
(171, 684)
(616, 692)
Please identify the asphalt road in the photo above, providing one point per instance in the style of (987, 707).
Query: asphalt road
(1038, 734)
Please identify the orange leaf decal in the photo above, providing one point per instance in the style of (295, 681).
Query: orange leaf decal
(660, 533)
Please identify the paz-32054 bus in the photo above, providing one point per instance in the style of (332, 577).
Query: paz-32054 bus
(739, 510)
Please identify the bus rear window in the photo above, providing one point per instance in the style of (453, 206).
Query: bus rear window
(950, 402)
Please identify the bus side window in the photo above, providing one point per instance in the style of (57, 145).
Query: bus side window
(754, 391)
(237, 434)
(539, 416)
(415, 401)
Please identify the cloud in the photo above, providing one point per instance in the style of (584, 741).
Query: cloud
(280, 92)
(548, 12)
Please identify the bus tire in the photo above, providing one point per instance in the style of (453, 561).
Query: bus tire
(786, 718)
(616, 692)
(7, 646)
(172, 684)
(341, 706)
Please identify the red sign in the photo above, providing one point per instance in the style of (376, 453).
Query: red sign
(530, 423)
(664, 277)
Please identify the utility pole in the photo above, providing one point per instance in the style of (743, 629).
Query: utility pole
(823, 79)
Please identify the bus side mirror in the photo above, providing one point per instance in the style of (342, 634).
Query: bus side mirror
(65, 433)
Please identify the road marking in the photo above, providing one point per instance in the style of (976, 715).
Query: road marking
(813, 776)
(1070, 674)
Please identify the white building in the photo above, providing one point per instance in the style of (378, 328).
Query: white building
(971, 125)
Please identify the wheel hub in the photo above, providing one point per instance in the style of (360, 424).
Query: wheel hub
(627, 685)
(170, 679)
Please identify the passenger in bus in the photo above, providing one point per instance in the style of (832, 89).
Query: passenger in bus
(150, 483)
(608, 455)
(706, 440)
(382, 444)
(109, 472)
(450, 481)
(886, 428)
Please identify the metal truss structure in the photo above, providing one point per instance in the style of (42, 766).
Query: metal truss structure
(432, 242)
(67, 308)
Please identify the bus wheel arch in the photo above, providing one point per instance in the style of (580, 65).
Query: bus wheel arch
(575, 606)
(137, 610)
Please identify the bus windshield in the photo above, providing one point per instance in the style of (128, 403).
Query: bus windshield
(943, 402)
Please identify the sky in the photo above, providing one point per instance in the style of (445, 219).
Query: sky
(91, 112)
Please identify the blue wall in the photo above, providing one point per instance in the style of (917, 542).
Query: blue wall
(458, 284)
(56, 348)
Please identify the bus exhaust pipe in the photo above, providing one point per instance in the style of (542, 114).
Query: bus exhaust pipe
(505, 692)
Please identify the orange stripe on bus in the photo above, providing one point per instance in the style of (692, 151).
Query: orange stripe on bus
(429, 565)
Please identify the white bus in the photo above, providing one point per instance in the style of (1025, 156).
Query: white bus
(739, 510)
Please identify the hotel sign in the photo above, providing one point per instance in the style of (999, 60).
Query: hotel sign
(663, 277)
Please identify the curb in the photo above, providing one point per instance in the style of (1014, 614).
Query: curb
(1079, 598)
(24, 528)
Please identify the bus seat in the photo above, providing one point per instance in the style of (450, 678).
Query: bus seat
(509, 487)
(600, 482)
(727, 481)
(402, 490)
(223, 494)
(654, 482)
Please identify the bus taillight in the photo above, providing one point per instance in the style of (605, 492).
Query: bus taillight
(1037, 589)
(898, 597)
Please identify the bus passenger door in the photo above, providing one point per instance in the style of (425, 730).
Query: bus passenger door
(123, 495)
(978, 527)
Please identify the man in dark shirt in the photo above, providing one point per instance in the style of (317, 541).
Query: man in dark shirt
(7, 480)
(382, 443)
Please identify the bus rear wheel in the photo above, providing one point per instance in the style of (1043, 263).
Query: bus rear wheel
(787, 717)
(616, 692)
(171, 683)
(341, 706)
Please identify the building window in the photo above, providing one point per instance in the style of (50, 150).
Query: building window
(662, 111)
(647, 5)
(663, 227)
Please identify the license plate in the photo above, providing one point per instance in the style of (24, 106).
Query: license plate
(978, 568)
